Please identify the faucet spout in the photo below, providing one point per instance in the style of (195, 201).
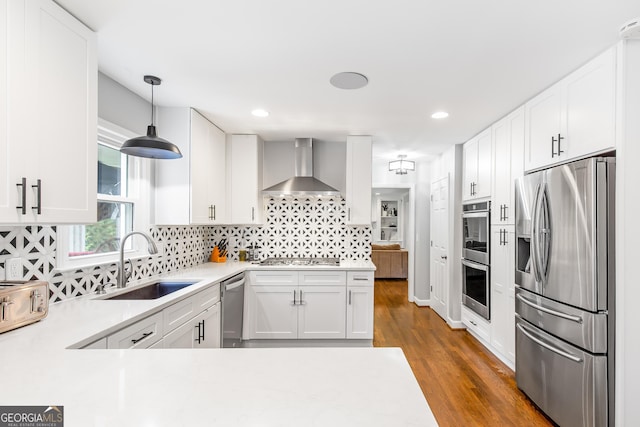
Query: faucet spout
(151, 247)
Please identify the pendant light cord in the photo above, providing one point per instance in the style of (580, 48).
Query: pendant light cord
(152, 109)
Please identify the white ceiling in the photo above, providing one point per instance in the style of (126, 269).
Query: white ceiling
(476, 59)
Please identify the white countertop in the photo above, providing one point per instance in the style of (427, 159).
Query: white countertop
(200, 387)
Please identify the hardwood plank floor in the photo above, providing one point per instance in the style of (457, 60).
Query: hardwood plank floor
(463, 382)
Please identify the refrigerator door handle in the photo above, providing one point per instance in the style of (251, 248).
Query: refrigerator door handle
(545, 233)
(533, 305)
(548, 346)
(535, 264)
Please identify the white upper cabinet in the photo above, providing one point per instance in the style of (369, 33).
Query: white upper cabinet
(244, 186)
(477, 167)
(575, 117)
(48, 113)
(191, 190)
(358, 180)
(508, 160)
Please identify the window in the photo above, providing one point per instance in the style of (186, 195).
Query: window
(123, 205)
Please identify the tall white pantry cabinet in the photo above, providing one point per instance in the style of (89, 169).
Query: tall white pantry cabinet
(48, 115)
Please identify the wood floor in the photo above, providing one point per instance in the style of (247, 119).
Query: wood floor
(463, 382)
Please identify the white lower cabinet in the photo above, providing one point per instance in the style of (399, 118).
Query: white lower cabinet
(203, 331)
(503, 292)
(310, 305)
(141, 334)
(193, 322)
(360, 305)
(480, 327)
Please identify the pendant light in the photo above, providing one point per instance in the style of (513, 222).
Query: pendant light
(151, 145)
(400, 167)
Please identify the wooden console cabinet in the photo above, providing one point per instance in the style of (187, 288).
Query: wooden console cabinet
(390, 264)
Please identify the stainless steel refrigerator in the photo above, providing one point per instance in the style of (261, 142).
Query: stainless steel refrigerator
(565, 291)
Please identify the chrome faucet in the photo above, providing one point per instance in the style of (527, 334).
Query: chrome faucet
(122, 275)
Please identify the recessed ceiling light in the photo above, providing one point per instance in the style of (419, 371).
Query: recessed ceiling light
(260, 113)
(349, 80)
(440, 115)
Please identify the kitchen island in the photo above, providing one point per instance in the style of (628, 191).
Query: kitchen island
(226, 387)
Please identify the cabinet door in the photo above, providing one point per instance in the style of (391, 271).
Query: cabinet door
(501, 171)
(208, 172)
(470, 168)
(209, 322)
(508, 146)
(201, 171)
(184, 336)
(590, 107)
(274, 313)
(245, 179)
(62, 71)
(321, 311)
(360, 312)
(543, 123)
(502, 292)
(483, 182)
(358, 180)
(9, 178)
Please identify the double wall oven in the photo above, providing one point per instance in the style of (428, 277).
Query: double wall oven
(476, 220)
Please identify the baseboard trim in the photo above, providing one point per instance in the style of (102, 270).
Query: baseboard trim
(422, 302)
(456, 324)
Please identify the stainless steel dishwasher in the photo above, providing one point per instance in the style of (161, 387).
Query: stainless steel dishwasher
(232, 295)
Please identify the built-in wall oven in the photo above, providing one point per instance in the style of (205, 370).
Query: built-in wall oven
(476, 220)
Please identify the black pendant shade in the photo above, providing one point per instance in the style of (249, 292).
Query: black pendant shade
(151, 145)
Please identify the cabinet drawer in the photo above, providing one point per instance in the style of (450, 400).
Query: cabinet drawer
(476, 324)
(274, 277)
(207, 298)
(322, 278)
(142, 334)
(360, 278)
(180, 312)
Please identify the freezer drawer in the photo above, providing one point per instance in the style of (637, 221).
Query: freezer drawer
(579, 327)
(568, 384)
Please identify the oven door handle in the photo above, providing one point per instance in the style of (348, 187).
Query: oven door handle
(548, 346)
(477, 214)
(535, 306)
(475, 265)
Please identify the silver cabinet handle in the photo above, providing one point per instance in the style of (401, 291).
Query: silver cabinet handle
(253, 214)
(214, 212)
(348, 214)
(294, 297)
(361, 278)
(549, 347)
(38, 187)
(349, 296)
(137, 340)
(23, 195)
(301, 302)
(473, 323)
(571, 317)
(443, 256)
(4, 304)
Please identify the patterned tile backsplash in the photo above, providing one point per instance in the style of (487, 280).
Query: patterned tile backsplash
(299, 227)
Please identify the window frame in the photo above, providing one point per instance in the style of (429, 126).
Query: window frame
(139, 187)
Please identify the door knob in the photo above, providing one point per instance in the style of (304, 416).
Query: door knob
(443, 256)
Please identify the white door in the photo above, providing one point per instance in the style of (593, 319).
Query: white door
(360, 312)
(274, 313)
(321, 312)
(439, 249)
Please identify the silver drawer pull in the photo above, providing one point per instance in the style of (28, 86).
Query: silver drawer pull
(361, 278)
(136, 341)
(550, 347)
(571, 317)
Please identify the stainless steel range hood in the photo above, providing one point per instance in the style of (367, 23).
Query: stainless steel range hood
(303, 183)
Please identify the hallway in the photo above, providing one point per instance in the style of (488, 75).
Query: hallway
(465, 385)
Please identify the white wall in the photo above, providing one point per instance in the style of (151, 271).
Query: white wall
(421, 180)
(628, 236)
(120, 106)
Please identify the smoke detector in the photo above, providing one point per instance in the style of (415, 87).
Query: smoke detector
(631, 29)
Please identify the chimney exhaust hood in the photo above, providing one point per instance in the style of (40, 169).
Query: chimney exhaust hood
(303, 183)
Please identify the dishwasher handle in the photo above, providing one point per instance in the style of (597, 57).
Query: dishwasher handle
(233, 285)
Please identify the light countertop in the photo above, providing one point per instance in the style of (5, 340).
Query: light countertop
(200, 387)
